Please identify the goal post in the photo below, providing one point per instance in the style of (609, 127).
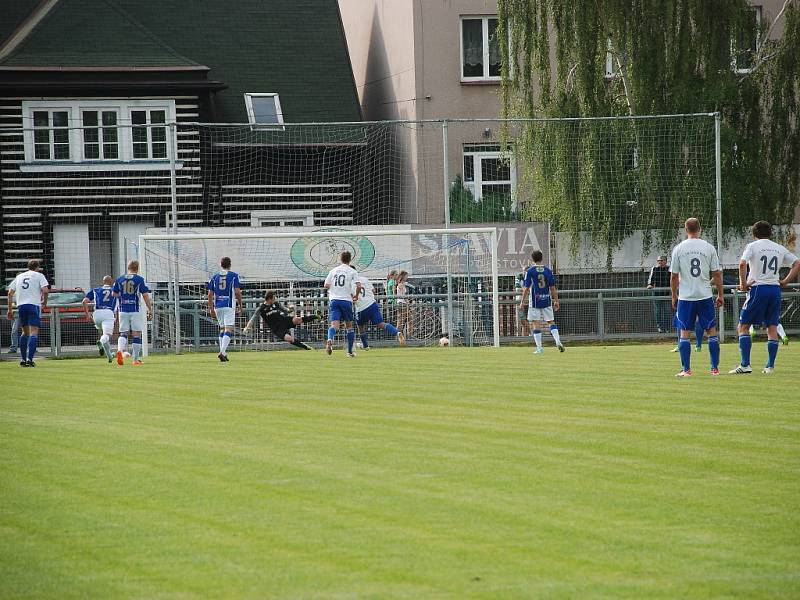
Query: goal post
(452, 279)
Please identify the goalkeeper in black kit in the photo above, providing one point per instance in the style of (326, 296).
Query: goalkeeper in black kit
(280, 321)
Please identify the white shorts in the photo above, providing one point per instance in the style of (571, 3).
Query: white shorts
(131, 321)
(226, 316)
(104, 320)
(540, 314)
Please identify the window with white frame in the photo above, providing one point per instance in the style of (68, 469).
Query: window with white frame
(264, 109)
(149, 133)
(81, 133)
(746, 41)
(488, 171)
(100, 134)
(50, 134)
(480, 49)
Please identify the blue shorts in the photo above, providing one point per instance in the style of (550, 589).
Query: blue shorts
(29, 315)
(692, 311)
(762, 306)
(341, 310)
(371, 314)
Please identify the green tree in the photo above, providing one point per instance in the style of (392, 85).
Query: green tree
(669, 57)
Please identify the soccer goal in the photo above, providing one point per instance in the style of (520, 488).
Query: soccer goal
(450, 288)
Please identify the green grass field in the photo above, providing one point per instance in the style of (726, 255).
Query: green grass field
(416, 473)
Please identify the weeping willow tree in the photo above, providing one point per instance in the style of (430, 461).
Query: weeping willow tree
(679, 56)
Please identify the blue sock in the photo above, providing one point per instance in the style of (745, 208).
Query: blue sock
(364, 340)
(745, 344)
(23, 347)
(391, 329)
(685, 349)
(772, 352)
(331, 333)
(699, 332)
(33, 341)
(351, 337)
(713, 350)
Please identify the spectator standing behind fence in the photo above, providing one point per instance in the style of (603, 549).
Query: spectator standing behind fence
(14, 336)
(658, 281)
(391, 284)
(401, 297)
(522, 313)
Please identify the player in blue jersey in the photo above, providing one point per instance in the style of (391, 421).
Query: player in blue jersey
(128, 288)
(759, 276)
(368, 312)
(541, 295)
(105, 312)
(223, 289)
(343, 288)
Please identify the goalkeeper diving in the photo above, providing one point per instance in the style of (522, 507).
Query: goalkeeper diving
(280, 322)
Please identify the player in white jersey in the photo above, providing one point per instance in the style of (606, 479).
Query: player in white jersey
(105, 313)
(695, 264)
(30, 289)
(368, 312)
(342, 290)
(759, 276)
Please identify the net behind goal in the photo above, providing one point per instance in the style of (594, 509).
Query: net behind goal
(451, 288)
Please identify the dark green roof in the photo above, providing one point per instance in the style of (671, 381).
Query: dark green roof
(14, 12)
(93, 33)
(296, 48)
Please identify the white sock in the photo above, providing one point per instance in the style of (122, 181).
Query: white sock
(219, 339)
(137, 350)
(537, 337)
(122, 343)
(781, 331)
(105, 340)
(752, 329)
(556, 337)
(226, 339)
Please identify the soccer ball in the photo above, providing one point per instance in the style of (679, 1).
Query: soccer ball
(126, 354)
(444, 341)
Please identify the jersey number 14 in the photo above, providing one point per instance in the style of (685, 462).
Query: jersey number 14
(771, 264)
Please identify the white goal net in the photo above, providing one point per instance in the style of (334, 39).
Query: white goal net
(452, 292)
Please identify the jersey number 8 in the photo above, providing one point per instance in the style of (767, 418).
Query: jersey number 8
(694, 267)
